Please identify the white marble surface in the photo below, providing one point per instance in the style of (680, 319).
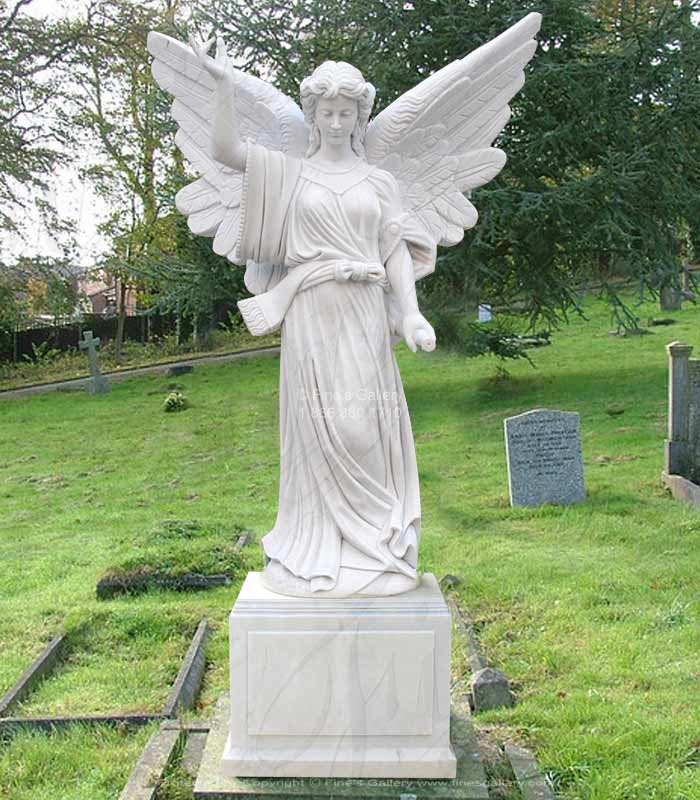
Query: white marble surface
(335, 218)
(356, 687)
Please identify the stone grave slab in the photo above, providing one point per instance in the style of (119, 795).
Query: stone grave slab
(545, 464)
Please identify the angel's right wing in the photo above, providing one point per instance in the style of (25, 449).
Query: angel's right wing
(267, 116)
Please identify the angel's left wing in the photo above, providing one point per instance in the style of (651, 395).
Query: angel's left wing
(436, 138)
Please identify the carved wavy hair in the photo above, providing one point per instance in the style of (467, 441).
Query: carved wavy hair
(330, 79)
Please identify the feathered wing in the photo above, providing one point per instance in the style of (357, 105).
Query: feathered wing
(267, 116)
(436, 138)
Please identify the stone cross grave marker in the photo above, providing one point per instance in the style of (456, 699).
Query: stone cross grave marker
(97, 384)
(545, 464)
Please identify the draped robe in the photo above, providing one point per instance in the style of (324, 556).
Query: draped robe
(349, 506)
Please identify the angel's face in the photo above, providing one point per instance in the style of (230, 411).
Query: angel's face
(336, 118)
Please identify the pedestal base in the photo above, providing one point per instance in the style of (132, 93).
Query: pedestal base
(468, 784)
(326, 688)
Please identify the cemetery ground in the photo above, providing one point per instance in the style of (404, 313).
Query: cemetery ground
(591, 610)
(50, 364)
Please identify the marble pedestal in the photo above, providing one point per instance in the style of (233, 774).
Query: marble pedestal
(340, 688)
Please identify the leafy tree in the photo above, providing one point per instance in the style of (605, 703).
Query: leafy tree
(118, 104)
(50, 287)
(186, 277)
(34, 54)
(13, 305)
(139, 169)
(30, 287)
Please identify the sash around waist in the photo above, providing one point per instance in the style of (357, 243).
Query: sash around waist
(265, 312)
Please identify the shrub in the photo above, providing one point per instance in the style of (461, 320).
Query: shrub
(175, 401)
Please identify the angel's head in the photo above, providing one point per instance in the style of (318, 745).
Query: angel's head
(337, 101)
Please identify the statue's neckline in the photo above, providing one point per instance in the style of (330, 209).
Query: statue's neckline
(331, 171)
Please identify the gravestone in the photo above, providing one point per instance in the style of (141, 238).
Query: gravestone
(97, 384)
(682, 462)
(543, 451)
(179, 369)
(485, 313)
(670, 299)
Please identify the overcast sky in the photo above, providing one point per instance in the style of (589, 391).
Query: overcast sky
(73, 198)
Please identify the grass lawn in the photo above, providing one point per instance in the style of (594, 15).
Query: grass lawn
(591, 610)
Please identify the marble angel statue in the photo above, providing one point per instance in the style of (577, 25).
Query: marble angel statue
(335, 218)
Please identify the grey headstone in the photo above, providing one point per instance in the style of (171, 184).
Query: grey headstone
(683, 442)
(670, 299)
(543, 451)
(485, 313)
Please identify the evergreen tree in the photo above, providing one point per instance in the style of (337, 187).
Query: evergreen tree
(602, 182)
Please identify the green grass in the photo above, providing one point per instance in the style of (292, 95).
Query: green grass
(80, 764)
(591, 610)
(176, 549)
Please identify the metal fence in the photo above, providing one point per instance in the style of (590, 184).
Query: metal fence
(15, 345)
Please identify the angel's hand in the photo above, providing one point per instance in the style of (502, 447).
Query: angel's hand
(216, 67)
(418, 332)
